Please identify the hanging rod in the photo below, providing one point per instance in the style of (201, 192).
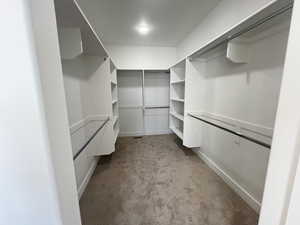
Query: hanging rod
(90, 139)
(262, 21)
(280, 11)
(157, 107)
(233, 132)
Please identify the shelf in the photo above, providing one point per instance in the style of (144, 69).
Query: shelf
(177, 82)
(177, 99)
(177, 115)
(177, 132)
(114, 101)
(178, 63)
(70, 15)
(249, 24)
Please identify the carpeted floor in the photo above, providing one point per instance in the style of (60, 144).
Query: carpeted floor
(155, 181)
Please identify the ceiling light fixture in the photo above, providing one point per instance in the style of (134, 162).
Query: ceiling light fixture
(143, 28)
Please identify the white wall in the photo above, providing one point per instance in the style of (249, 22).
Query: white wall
(45, 31)
(227, 14)
(35, 188)
(248, 95)
(142, 57)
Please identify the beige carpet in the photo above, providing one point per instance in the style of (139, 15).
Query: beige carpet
(154, 181)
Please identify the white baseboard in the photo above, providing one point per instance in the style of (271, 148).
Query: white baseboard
(244, 194)
(87, 178)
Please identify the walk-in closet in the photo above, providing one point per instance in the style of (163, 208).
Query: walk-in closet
(144, 102)
(151, 112)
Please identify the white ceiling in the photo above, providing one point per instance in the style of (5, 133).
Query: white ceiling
(171, 20)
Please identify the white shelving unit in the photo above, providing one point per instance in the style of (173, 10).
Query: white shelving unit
(156, 100)
(144, 97)
(114, 97)
(177, 115)
(269, 13)
(76, 32)
(89, 77)
(177, 98)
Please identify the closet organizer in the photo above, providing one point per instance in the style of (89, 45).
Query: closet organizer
(144, 102)
(90, 80)
(223, 98)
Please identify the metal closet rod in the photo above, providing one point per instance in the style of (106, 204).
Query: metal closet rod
(233, 132)
(249, 28)
(157, 107)
(90, 139)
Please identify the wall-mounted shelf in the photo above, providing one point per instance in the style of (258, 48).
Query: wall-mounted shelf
(114, 98)
(177, 97)
(177, 115)
(247, 25)
(177, 131)
(70, 15)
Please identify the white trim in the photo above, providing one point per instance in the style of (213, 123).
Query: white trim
(242, 192)
(87, 178)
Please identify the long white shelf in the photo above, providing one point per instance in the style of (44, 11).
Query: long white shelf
(177, 132)
(177, 99)
(70, 15)
(177, 115)
(248, 24)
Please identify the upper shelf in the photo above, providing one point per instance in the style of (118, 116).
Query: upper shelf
(179, 64)
(250, 25)
(70, 15)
